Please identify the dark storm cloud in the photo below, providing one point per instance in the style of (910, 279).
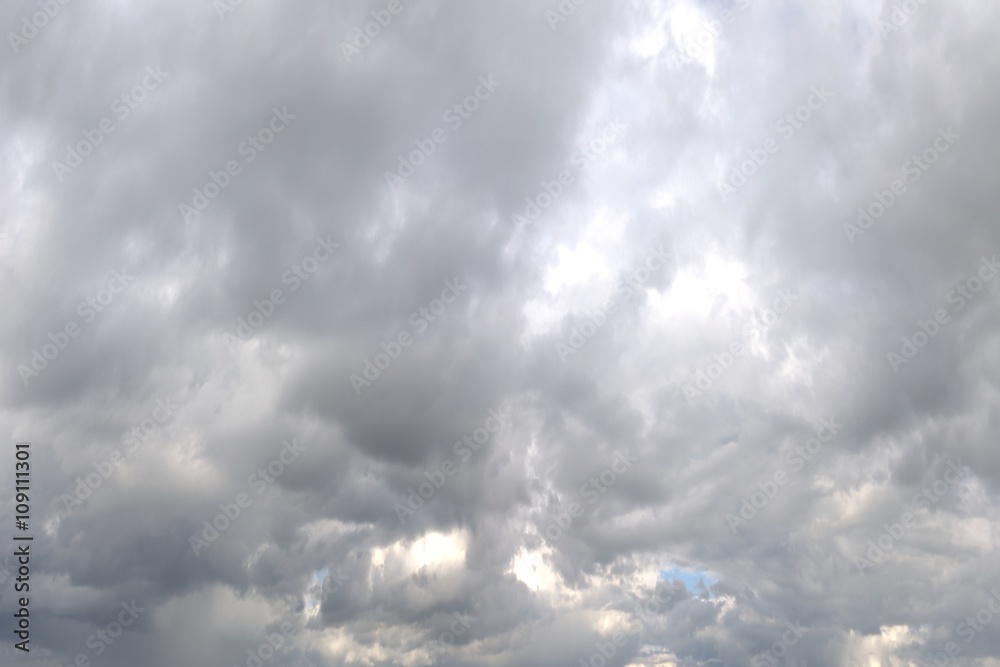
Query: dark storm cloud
(230, 241)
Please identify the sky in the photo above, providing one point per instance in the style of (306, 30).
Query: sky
(485, 334)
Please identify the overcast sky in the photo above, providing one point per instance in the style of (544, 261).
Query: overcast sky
(489, 334)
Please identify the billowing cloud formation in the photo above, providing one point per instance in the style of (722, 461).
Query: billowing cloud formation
(562, 333)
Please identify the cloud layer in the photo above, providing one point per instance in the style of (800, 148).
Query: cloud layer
(486, 334)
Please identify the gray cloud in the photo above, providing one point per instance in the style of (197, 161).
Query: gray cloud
(118, 297)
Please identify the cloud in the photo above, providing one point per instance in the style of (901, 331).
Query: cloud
(568, 254)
